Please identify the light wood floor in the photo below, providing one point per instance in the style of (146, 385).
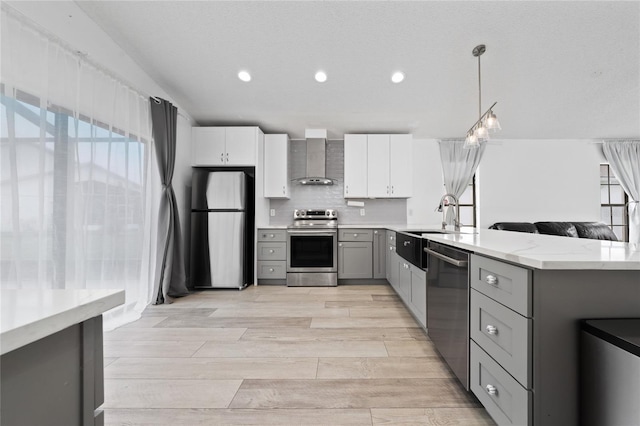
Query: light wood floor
(272, 355)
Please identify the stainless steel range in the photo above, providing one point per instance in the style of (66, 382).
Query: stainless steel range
(312, 241)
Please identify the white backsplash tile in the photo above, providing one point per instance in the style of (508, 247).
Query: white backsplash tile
(378, 211)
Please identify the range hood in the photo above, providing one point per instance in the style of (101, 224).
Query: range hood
(316, 159)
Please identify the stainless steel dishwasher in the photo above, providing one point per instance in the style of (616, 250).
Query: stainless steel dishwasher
(448, 306)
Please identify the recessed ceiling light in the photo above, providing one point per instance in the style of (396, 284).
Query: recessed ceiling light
(244, 76)
(321, 77)
(397, 77)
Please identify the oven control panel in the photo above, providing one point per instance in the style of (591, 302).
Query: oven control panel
(315, 214)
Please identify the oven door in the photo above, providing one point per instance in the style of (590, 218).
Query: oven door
(312, 250)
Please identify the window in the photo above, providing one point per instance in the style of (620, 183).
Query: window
(73, 192)
(468, 205)
(613, 203)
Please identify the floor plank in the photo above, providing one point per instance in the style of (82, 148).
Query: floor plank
(431, 416)
(150, 349)
(176, 334)
(293, 334)
(212, 368)
(369, 393)
(288, 349)
(135, 393)
(382, 368)
(209, 417)
(234, 322)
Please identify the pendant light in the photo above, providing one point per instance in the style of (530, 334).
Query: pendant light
(479, 132)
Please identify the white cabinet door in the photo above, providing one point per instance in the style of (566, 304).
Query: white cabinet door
(355, 166)
(276, 171)
(241, 146)
(378, 166)
(208, 146)
(400, 171)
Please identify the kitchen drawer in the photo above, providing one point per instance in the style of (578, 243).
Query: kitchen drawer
(272, 251)
(391, 238)
(505, 283)
(272, 269)
(355, 235)
(501, 395)
(503, 334)
(272, 235)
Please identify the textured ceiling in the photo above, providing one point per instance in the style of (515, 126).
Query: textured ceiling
(556, 69)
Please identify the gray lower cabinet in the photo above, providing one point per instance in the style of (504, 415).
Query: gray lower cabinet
(355, 253)
(412, 289)
(272, 255)
(419, 294)
(355, 260)
(57, 380)
(525, 335)
(379, 254)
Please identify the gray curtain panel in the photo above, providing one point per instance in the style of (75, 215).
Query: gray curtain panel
(170, 277)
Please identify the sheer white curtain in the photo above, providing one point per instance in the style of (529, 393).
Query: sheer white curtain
(76, 172)
(624, 159)
(459, 164)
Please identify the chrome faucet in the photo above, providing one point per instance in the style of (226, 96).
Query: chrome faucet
(456, 221)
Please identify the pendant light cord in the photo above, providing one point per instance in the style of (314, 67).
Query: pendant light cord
(479, 90)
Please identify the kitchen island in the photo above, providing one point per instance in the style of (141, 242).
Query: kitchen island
(51, 365)
(527, 295)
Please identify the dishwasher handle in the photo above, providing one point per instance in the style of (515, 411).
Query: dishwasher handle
(456, 262)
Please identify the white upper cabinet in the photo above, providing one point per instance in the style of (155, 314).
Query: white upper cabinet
(378, 166)
(224, 146)
(355, 166)
(400, 165)
(276, 170)
(385, 161)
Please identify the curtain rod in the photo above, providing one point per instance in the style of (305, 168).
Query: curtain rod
(80, 55)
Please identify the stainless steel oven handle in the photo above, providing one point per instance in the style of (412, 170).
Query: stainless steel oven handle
(314, 232)
(456, 262)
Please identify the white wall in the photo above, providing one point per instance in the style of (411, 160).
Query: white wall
(539, 180)
(428, 186)
(519, 180)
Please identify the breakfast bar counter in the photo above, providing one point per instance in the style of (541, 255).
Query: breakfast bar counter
(51, 365)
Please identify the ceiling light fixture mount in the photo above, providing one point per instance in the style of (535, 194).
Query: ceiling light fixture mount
(479, 132)
(244, 76)
(397, 77)
(321, 76)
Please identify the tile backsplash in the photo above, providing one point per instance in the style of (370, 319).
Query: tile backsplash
(377, 211)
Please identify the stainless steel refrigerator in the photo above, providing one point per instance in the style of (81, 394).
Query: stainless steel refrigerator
(221, 228)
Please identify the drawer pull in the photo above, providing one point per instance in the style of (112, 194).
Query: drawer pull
(271, 235)
(271, 269)
(491, 329)
(491, 390)
(271, 251)
(491, 279)
(355, 235)
(406, 243)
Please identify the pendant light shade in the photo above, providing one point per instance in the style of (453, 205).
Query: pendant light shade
(479, 132)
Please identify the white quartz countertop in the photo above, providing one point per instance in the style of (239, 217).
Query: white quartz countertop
(27, 315)
(546, 251)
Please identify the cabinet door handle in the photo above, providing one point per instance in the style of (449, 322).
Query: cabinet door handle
(347, 189)
(491, 279)
(392, 190)
(227, 157)
(390, 248)
(340, 245)
(406, 243)
(492, 329)
(387, 189)
(491, 390)
(283, 190)
(222, 157)
(375, 232)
